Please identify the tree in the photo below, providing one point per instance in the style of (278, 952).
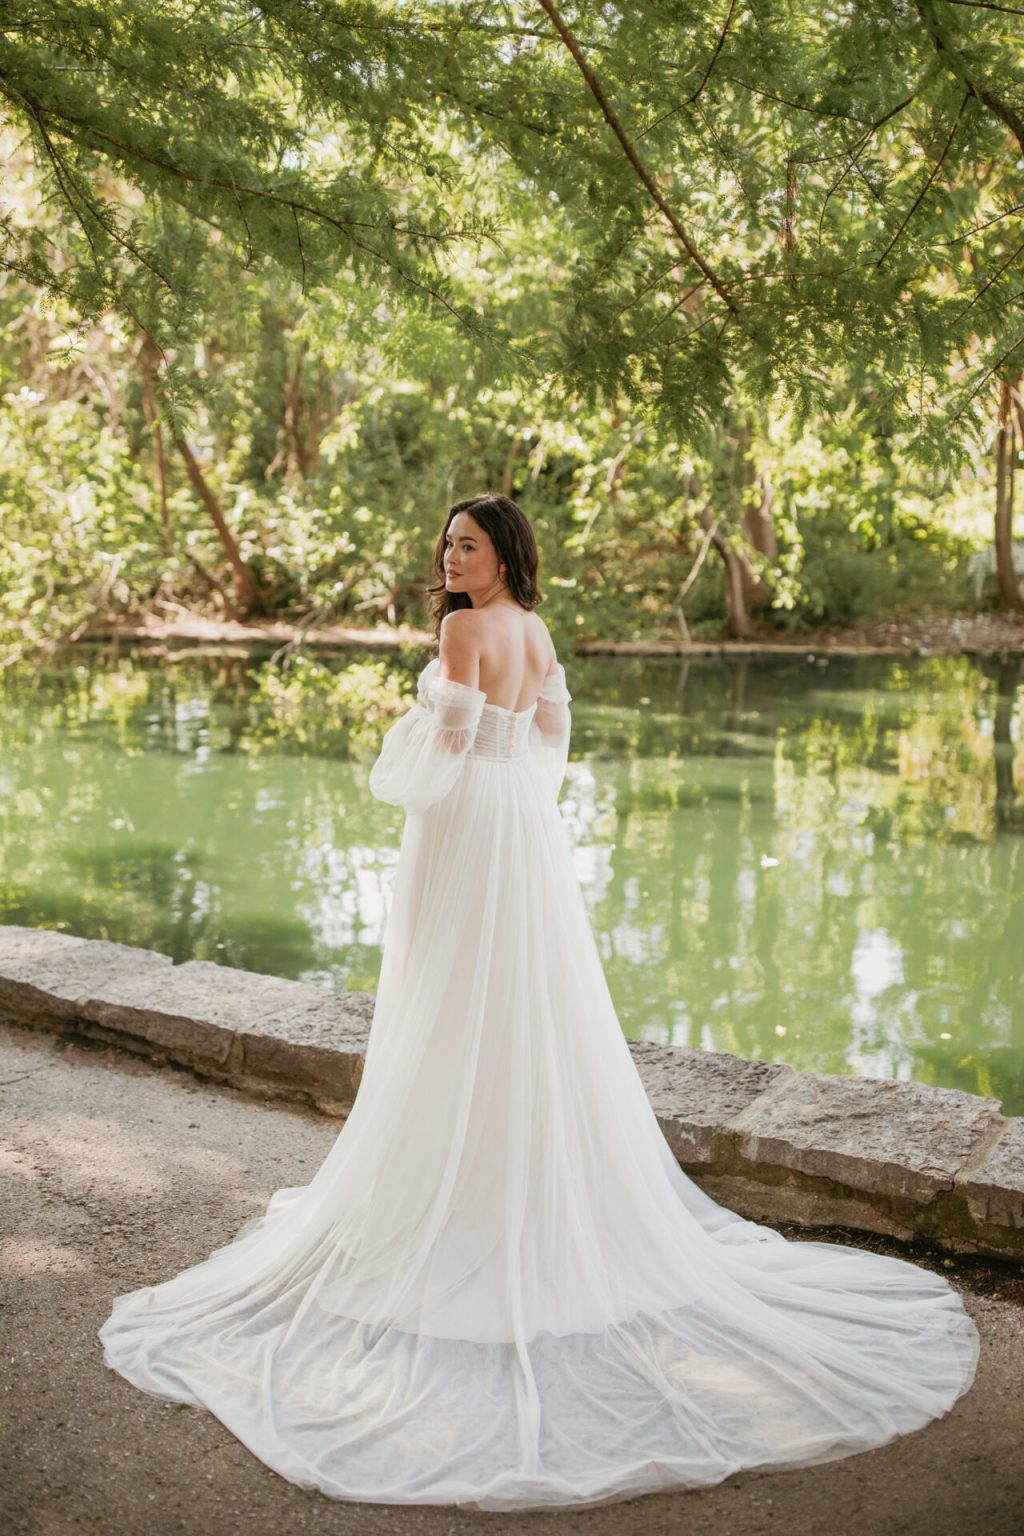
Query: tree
(1007, 584)
(286, 132)
(599, 254)
(750, 196)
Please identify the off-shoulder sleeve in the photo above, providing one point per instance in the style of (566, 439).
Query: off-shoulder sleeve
(551, 727)
(422, 754)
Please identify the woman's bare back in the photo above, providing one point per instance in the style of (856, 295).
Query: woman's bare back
(513, 649)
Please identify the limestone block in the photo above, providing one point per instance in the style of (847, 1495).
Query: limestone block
(894, 1140)
(693, 1092)
(249, 1024)
(994, 1187)
(44, 976)
(805, 1205)
(204, 1014)
(161, 1011)
(309, 1039)
(288, 1031)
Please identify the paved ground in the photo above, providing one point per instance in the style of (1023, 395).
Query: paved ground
(118, 1173)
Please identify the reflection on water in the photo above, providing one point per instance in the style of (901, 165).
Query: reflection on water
(819, 864)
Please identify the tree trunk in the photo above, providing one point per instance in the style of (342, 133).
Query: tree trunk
(1008, 588)
(754, 521)
(515, 448)
(297, 462)
(247, 591)
(149, 362)
(215, 586)
(737, 574)
(314, 424)
(759, 528)
(759, 520)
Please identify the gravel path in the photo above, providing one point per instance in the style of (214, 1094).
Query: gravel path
(118, 1173)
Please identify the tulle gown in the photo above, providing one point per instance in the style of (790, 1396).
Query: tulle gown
(500, 1289)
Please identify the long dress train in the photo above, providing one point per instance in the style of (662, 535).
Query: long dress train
(500, 1289)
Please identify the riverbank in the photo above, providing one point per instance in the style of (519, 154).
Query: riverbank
(958, 634)
(909, 1162)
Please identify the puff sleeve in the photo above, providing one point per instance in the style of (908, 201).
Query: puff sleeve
(551, 726)
(421, 756)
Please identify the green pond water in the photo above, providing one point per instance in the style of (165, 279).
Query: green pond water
(815, 863)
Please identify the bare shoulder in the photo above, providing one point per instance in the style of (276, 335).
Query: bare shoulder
(460, 643)
(544, 636)
(461, 630)
(460, 620)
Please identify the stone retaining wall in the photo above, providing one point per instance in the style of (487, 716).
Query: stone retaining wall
(775, 1144)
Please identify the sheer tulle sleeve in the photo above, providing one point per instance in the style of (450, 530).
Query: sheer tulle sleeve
(422, 754)
(551, 726)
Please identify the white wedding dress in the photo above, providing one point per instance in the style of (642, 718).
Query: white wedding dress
(500, 1289)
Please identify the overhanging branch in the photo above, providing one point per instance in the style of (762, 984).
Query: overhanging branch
(653, 190)
(78, 130)
(934, 172)
(951, 58)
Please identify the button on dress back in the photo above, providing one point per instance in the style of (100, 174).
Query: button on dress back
(502, 733)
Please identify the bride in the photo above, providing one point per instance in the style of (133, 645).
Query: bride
(500, 1289)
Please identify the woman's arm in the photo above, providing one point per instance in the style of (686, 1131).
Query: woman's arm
(551, 726)
(422, 754)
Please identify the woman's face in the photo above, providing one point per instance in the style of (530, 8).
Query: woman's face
(470, 559)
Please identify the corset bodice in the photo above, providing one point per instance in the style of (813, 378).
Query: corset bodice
(498, 733)
(502, 733)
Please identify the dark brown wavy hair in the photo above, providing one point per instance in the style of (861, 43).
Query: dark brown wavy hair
(509, 530)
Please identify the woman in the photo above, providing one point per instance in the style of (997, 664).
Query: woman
(500, 1289)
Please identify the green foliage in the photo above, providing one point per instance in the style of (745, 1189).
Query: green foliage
(844, 580)
(166, 134)
(311, 707)
(864, 531)
(367, 258)
(72, 513)
(737, 201)
(334, 479)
